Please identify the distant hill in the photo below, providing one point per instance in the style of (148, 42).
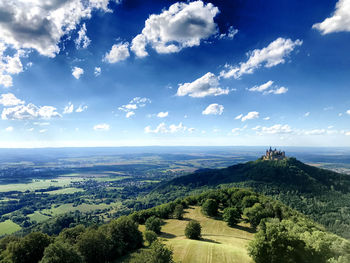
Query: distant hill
(288, 173)
(321, 194)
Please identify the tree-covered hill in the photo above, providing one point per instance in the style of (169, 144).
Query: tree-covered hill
(321, 194)
(288, 173)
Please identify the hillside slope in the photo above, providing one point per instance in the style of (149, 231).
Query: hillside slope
(289, 173)
(321, 194)
(220, 243)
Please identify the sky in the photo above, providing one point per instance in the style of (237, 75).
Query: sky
(193, 73)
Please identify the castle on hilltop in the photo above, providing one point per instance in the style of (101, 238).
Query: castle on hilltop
(274, 155)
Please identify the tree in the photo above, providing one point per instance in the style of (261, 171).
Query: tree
(255, 213)
(154, 224)
(178, 211)
(94, 246)
(274, 244)
(158, 253)
(193, 230)
(60, 252)
(231, 216)
(150, 236)
(210, 207)
(29, 249)
(124, 235)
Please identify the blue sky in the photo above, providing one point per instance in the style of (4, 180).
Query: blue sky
(132, 72)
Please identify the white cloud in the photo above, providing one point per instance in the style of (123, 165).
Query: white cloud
(266, 118)
(275, 129)
(129, 114)
(213, 109)
(102, 127)
(40, 25)
(9, 65)
(68, 109)
(236, 131)
(43, 130)
(251, 115)
(41, 123)
(30, 111)
(77, 72)
(162, 114)
(9, 129)
(315, 132)
(239, 117)
(82, 41)
(339, 21)
(9, 99)
(348, 112)
(231, 32)
(182, 25)
(307, 114)
(118, 52)
(81, 108)
(133, 105)
(207, 85)
(173, 128)
(275, 53)
(97, 71)
(268, 88)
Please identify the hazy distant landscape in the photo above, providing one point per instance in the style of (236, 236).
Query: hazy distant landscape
(38, 184)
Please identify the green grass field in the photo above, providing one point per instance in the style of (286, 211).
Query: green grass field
(8, 227)
(68, 190)
(38, 217)
(220, 243)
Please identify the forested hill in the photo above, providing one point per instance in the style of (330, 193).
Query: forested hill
(289, 174)
(321, 194)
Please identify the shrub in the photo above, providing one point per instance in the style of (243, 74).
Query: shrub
(193, 230)
(150, 236)
(154, 224)
(231, 216)
(210, 207)
(178, 211)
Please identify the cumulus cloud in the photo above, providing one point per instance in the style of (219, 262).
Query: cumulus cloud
(272, 55)
(82, 41)
(250, 115)
(236, 131)
(266, 118)
(129, 114)
(102, 127)
(163, 128)
(182, 25)
(315, 132)
(9, 65)
(40, 25)
(81, 108)
(9, 99)
(339, 21)
(238, 117)
(348, 112)
(97, 71)
(118, 52)
(68, 109)
(207, 85)
(77, 72)
(162, 114)
(213, 109)
(268, 88)
(307, 114)
(30, 111)
(133, 105)
(231, 32)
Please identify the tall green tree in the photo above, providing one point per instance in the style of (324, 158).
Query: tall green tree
(210, 207)
(59, 252)
(193, 230)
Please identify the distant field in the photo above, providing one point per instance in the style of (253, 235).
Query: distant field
(37, 184)
(38, 217)
(65, 208)
(220, 243)
(8, 227)
(68, 190)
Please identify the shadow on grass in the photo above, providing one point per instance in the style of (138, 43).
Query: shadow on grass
(245, 228)
(167, 235)
(209, 240)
